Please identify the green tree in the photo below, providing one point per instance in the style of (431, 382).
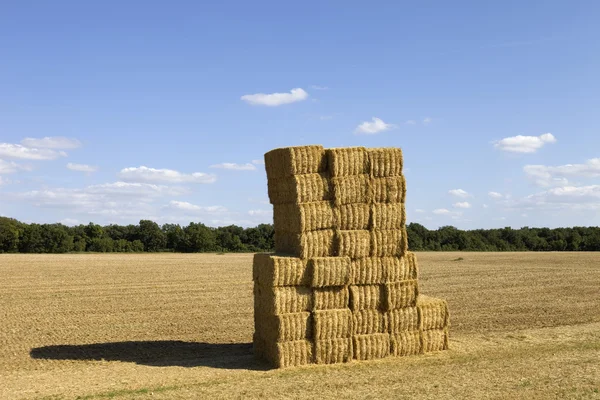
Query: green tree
(153, 238)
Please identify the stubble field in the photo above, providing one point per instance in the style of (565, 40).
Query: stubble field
(523, 325)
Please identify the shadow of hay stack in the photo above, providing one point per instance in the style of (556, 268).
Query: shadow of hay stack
(165, 353)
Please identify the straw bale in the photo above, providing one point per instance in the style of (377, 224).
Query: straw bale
(258, 345)
(307, 244)
(353, 244)
(332, 324)
(406, 343)
(347, 161)
(352, 216)
(329, 271)
(332, 351)
(385, 161)
(403, 319)
(331, 298)
(272, 270)
(388, 190)
(295, 161)
(299, 189)
(367, 297)
(289, 354)
(399, 268)
(284, 327)
(282, 300)
(387, 216)
(435, 340)
(366, 322)
(390, 243)
(371, 347)
(367, 271)
(433, 313)
(351, 189)
(401, 294)
(298, 218)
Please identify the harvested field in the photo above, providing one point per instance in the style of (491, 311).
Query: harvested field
(523, 325)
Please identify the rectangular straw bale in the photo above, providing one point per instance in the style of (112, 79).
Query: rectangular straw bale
(366, 297)
(403, 319)
(406, 343)
(299, 189)
(289, 354)
(282, 300)
(329, 271)
(371, 347)
(332, 324)
(388, 190)
(352, 216)
(433, 313)
(385, 216)
(385, 161)
(272, 270)
(258, 345)
(368, 270)
(307, 244)
(351, 189)
(331, 298)
(347, 161)
(332, 351)
(284, 327)
(399, 268)
(401, 294)
(298, 218)
(390, 243)
(435, 340)
(295, 161)
(353, 244)
(366, 322)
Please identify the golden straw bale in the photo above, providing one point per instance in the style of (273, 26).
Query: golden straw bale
(368, 270)
(351, 189)
(406, 343)
(288, 354)
(284, 327)
(331, 298)
(435, 340)
(388, 190)
(307, 244)
(366, 322)
(299, 189)
(347, 161)
(282, 300)
(329, 271)
(367, 297)
(403, 319)
(352, 216)
(333, 351)
(258, 346)
(399, 268)
(390, 243)
(332, 324)
(433, 313)
(385, 161)
(298, 218)
(401, 294)
(353, 244)
(295, 161)
(387, 216)
(272, 270)
(371, 347)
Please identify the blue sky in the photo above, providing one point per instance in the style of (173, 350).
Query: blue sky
(114, 112)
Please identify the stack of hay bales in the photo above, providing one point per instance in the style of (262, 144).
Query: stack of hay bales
(342, 284)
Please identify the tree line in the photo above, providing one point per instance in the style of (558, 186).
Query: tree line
(148, 236)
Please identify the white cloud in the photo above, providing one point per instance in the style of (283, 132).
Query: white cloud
(459, 193)
(82, 167)
(69, 221)
(153, 175)
(235, 167)
(441, 211)
(189, 207)
(317, 87)
(524, 144)
(427, 121)
(258, 162)
(544, 175)
(56, 142)
(276, 99)
(464, 204)
(371, 128)
(261, 213)
(8, 167)
(18, 151)
(3, 181)
(418, 210)
(411, 122)
(561, 198)
(495, 195)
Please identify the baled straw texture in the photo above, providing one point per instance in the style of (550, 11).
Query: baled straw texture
(367, 297)
(282, 300)
(433, 313)
(354, 216)
(388, 190)
(368, 271)
(332, 324)
(299, 189)
(353, 244)
(271, 270)
(284, 327)
(385, 161)
(289, 354)
(295, 161)
(351, 189)
(329, 271)
(331, 298)
(435, 340)
(391, 243)
(406, 343)
(403, 319)
(401, 294)
(305, 245)
(347, 161)
(333, 351)
(399, 268)
(366, 322)
(299, 218)
(386, 216)
(371, 347)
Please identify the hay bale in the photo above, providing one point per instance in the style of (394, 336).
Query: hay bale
(353, 216)
(333, 351)
(299, 189)
(435, 340)
(406, 343)
(258, 346)
(289, 354)
(386, 216)
(271, 270)
(329, 271)
(282, 300)
(403, 319)
(401, 294)
(390, 243)
(284, 327)
(367, 297)
(399, 268)
(332, 324)
(433, 313)
(295, 161)
(351, 189)
(330, 298)
(353, 244)
(385, 161)
(347, 161)
(367, 271)
(366, 322)
(298, 218)
(371, 347)
(388, 190)
(307, 244)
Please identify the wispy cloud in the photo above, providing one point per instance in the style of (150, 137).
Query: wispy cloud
(154, 175)
(459, 193)
(463, 204)
(235, 167)
(258, 162)
(411, 122)
(495, 195)
(52, 142)
(276, 99)
(427, 120)
(375, 126)
(17, 151)
(524, 144)
(543, 175)
(189, 207)
(317, 87)
(82, 167)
